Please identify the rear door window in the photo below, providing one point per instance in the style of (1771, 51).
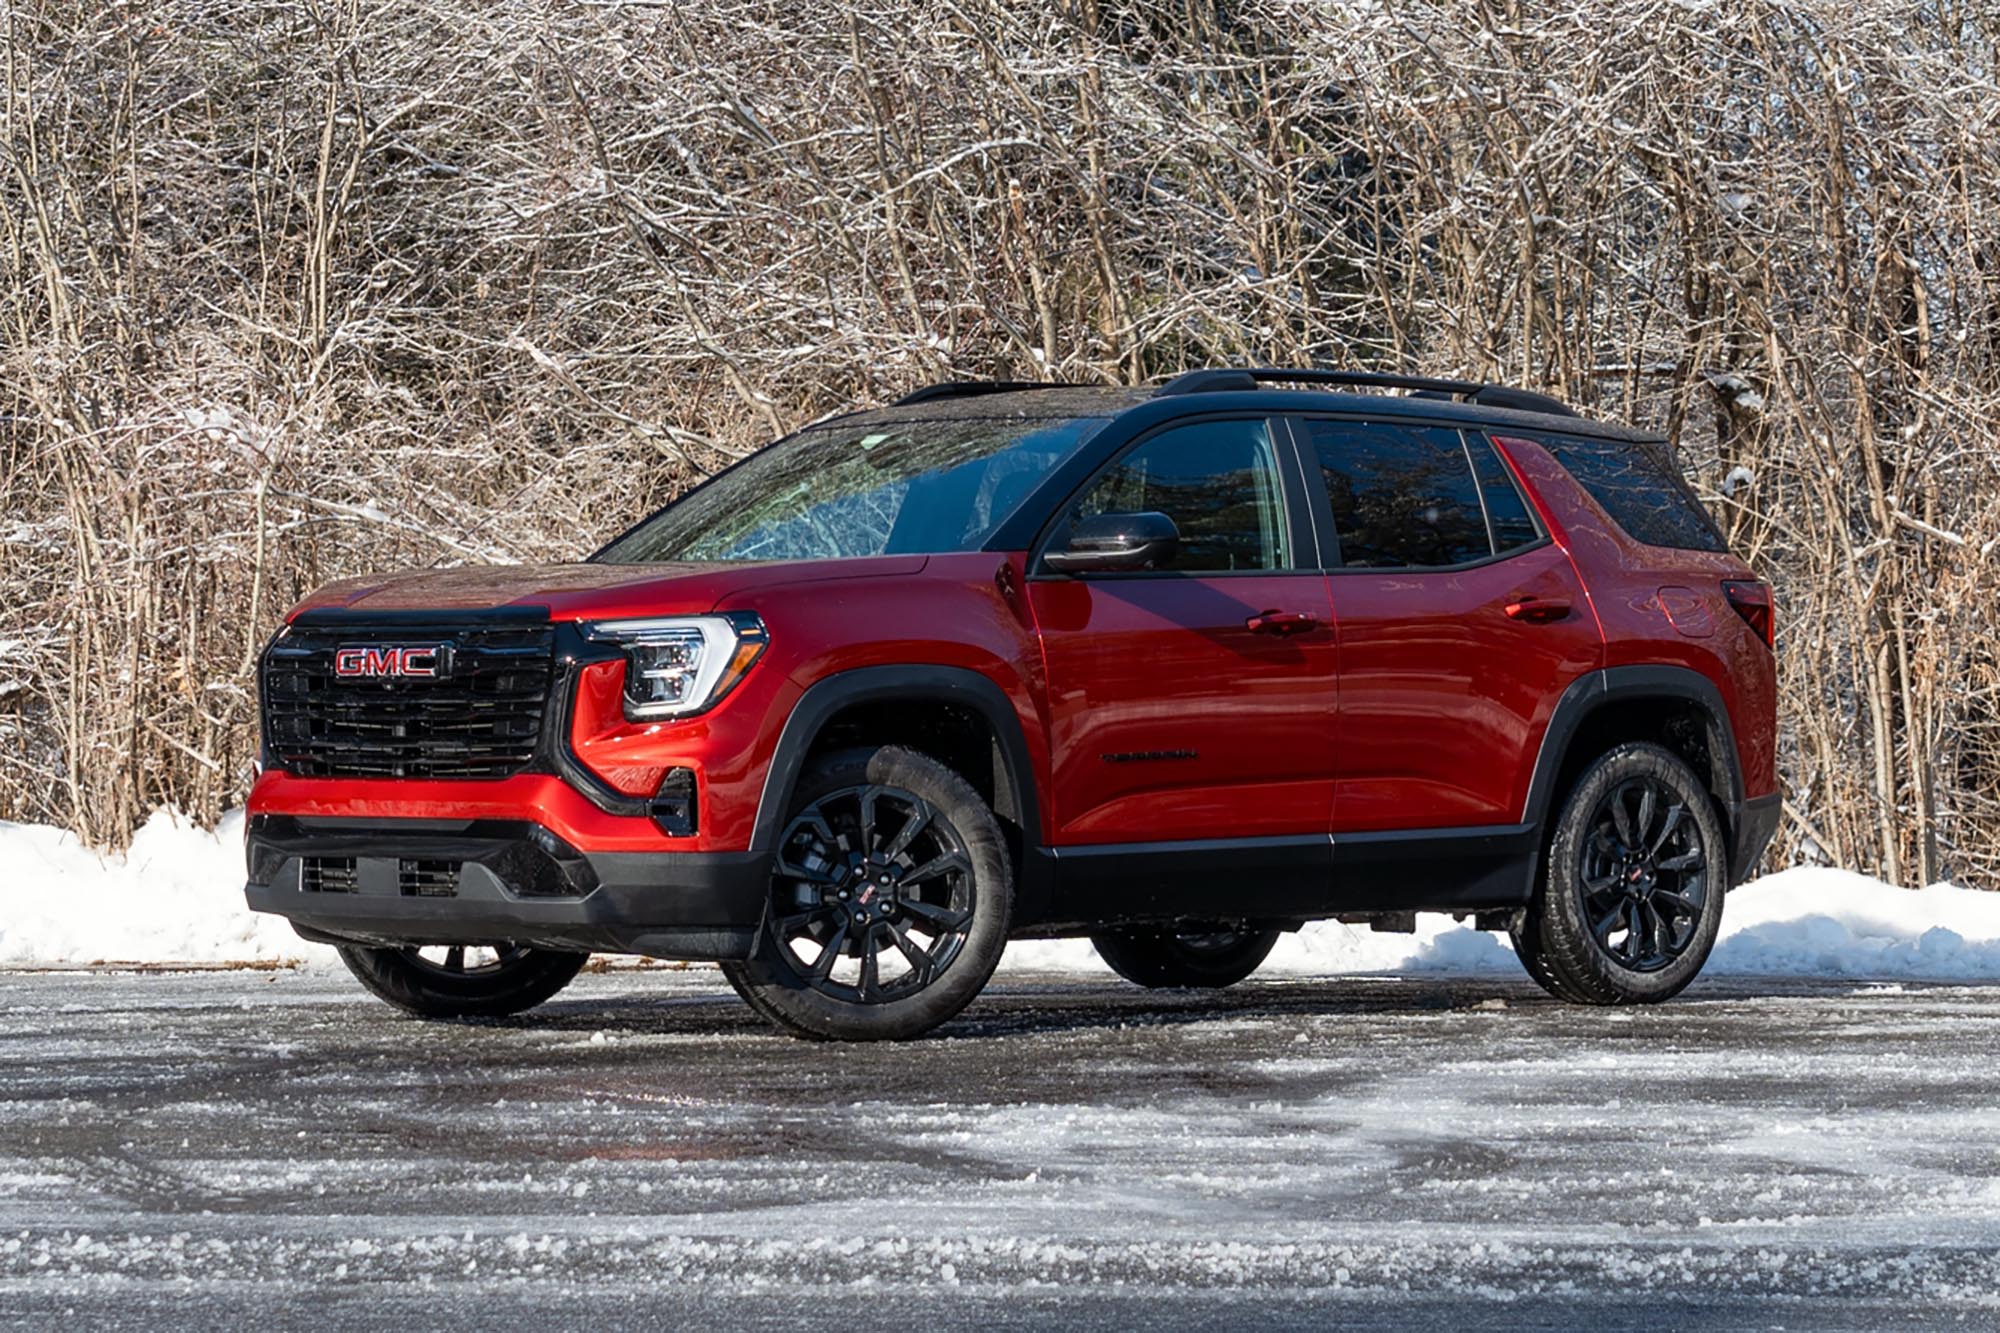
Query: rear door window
(1403, 496)
(1507, 514)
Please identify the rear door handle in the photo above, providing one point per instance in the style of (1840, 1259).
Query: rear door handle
(1281, 622)
(1538, 610)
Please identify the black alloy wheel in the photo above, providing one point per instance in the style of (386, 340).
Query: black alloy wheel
(462, 980)
(1643, 875)
(1208, 957)
(1630, 895)
(872, 896)
(464, 960)
(891, 895)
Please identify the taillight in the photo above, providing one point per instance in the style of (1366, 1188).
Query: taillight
(1752, 600)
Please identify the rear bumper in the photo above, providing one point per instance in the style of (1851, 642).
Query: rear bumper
(486, 881)
(1756, 823)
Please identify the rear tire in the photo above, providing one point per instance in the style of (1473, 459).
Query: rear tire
(1630, 896)
(891, 897)
(1156, 957)
(511, 981)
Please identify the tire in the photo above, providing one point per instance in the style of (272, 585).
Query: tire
(512, 981)
(1156, 957)
(891, 897)
(1631, 891)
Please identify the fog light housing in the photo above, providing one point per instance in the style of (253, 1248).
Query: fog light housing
(675, 804)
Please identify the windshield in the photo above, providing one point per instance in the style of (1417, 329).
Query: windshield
(834, 491)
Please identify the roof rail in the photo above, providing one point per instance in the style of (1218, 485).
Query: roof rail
(930, 393)
(1522, 400)
(1484, 395)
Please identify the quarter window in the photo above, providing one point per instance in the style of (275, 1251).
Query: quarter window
(1641, 488)
(1404, 497)
(1218, 482)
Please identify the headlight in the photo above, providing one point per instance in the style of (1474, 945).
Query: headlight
(679, 665)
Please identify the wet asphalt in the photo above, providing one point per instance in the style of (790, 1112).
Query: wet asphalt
(217, 1149)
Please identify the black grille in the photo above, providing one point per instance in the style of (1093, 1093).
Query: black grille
(427, 879)
(478, 717)
(328, 874)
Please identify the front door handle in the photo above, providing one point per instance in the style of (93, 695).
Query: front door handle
(1538, 610)
(1281, 622)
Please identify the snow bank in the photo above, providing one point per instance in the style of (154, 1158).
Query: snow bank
(177, 897)
(1817, 922)
(1808, 922)
(1325, 948)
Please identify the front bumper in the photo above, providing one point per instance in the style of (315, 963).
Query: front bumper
(388, 881)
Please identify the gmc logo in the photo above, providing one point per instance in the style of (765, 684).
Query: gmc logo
(394, 663)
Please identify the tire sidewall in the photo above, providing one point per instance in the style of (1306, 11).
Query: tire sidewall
(1562, 899)
(527, 982)
(1156, 957)
(771, 985)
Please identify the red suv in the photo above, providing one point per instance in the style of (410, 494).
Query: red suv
(1176, 668)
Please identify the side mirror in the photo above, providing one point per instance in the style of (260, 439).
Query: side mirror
(1108, 543)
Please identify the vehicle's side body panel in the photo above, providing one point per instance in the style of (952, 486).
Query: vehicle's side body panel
(1170, 720)
(1443, 696)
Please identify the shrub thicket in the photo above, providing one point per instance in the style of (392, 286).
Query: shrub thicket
(289, 291)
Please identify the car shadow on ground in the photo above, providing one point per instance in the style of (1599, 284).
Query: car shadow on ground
(1024, 1005)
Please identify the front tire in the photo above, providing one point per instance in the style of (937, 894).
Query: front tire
(891, 898)
(1156, 957)
(462, 981)
(1631, 892)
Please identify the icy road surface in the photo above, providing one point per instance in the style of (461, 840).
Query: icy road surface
(277, 1151)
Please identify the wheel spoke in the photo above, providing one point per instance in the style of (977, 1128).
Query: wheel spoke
(829, 953)
(869, 797)
(937, 865)
(1673, 821)
(454, 958)
(1607, 923)
(1685, 861)
(919, 820)
(824, 878)
(1623, 819)
(1601, 885)
(1658, 923)
(870, 982)
(944, 918)
(1648, 804)
(920, 961)
(788, 925)
(1634, 926)
(1678, 904)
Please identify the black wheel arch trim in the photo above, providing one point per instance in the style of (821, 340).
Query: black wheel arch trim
(1610, 685)
(960, 686)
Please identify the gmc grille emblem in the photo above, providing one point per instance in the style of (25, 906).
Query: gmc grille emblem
(422, 663)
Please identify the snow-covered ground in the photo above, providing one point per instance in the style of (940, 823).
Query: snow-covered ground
(277, 1150)
(176, 898)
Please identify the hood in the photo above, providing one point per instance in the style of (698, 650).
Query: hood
(588, 591)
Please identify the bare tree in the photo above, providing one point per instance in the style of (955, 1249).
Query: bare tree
(294, 291)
